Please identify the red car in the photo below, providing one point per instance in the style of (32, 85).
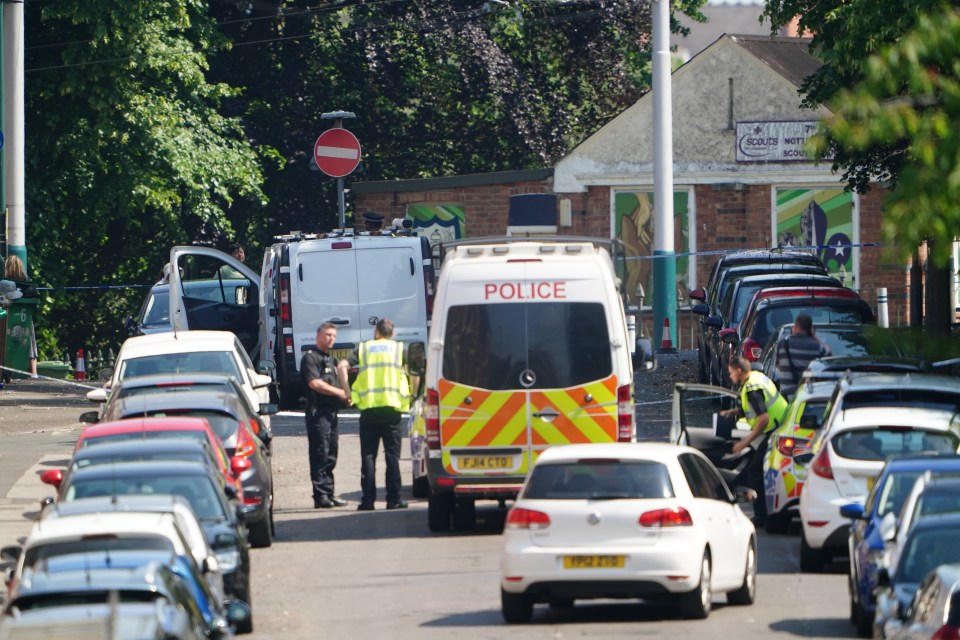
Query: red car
(168, 427)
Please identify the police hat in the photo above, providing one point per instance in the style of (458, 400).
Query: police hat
(370, 217)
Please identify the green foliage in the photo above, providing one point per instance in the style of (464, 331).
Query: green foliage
(909, 99)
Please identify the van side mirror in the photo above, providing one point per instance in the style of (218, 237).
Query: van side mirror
(417, 358)
(266, 367)
(644, 358)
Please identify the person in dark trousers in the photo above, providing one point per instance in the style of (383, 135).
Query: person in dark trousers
(764, 409)
(381, 392)
(324, 398)
(796, 352)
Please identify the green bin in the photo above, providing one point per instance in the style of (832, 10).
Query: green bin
(19, 332)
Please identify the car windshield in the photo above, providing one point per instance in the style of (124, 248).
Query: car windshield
(223, 424)
(858, 343)
(563, 344)
(811, 414)
(187, 362)
(199, 490)
(599, 480)
(925, 550)
(937, 502)
(770, 319)
(895, 491)
(123, 391)
(196, 434)
(879, 443)
(901, 397)
(185, 456)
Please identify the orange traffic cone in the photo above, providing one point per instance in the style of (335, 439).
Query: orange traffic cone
(81, 371)
(666, 342)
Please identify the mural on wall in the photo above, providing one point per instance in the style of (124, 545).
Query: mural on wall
(633, 225)
(820, 219)
(438, 222)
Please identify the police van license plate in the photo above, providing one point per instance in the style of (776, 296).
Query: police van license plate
(482, 463)
(341, 354)
(594, 562)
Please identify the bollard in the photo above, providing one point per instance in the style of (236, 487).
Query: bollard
(632, 332)
(883, 311)
(111, 357)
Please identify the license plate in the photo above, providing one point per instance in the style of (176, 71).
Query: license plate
(594, 562)
(486, 462)
(340, 354)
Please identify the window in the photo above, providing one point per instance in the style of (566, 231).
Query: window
(189, 362)
(564, 343)
(882, 442)
(599, 480)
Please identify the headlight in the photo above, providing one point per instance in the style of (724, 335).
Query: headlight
(229, 559)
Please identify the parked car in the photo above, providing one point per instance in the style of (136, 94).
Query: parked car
(736, 300)
(235, 427)
(641, 520)
(931, 542)
(193, 352)
(784, 475)
(855, 340)
(848, 453)
(221, 520)
(866, 545)
(742, 263)
(836, 367)
(931, 494)
(934, 612)
(162, 428)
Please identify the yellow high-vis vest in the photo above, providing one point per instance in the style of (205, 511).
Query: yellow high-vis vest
(381, 380)
(776, 404)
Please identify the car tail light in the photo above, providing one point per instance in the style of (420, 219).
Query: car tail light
(285, 298)
(254, 426)
(288, 344)
(520, 518)
(821, 464)
(252, 500)
(751, 349)
(788, 445)
(431, 417)
(947, 632)
(672, 517)
(624, 414)
(245, 443)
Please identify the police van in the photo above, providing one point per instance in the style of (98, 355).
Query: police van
(351, 280)
(529, 347)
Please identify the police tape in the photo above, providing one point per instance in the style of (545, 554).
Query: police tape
(34, 376)
(719, 252)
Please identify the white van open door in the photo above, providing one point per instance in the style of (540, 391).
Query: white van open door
(212, 290)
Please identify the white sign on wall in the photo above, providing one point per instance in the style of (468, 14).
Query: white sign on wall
(774, 141)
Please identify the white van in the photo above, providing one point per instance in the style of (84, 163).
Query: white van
(529, 348)
(351, 280)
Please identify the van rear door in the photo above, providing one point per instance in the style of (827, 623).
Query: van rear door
(270, 302)
(528, 362)
(212, 290)
(391, 285)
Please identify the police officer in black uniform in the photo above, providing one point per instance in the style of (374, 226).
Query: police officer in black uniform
(324, 397)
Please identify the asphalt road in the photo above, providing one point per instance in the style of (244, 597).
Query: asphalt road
(342, 574)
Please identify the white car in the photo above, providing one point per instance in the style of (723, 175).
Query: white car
(846, 456)
(194, 352)
(931, 494)
(625, 520)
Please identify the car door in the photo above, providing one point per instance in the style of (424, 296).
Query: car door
(270, 302)
(695, 419)
(212, 290)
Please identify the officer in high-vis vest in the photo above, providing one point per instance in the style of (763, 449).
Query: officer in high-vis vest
(381, 392)
(764, 409)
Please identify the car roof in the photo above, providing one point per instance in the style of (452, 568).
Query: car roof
(904, 381)
(940, 484)
(657, 451)
(745, 255)
(174, 380)
(152, 445)
(139, 502)
(893, 416)
(140, 468)
(209, 399)
(921, 462)
(860, 365)
(137, 523)
(778, 275)
(936, 521)
(178, 342)
(161, 423)
(776, 293)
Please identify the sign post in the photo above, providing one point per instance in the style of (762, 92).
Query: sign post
(337, 154)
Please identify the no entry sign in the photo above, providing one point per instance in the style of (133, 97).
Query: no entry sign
(337, 152)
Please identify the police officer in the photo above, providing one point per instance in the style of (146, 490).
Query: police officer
(764, 409)
(324, 398)
(372, 221)
(381, 391)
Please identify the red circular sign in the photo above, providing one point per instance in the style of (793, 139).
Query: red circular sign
(337, 152)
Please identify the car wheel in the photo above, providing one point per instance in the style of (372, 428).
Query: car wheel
(439, 511)
(421, 487)
(777, 523)
(859, 617)
(464, 514)
(260, 534)
(811, 560)
(516, 607)
(696, 604)
(748, 590)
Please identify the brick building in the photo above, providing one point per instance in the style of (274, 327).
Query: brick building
(741, 180)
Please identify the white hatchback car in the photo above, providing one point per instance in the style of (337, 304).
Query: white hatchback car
(627, 520)
(846, 456)
(194, 352)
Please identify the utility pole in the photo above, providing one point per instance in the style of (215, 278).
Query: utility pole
(13, 144)
(664, 260)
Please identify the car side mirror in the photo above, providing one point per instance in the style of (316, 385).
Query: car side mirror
(210, 565)
(698, 294)
(701, 309)
(52, 477)
(803, 458)
(260, 380)
(266, 367)
(854, 511)
(268, 409)
(11, 553)
(729, 336)
(714, 322)
(90, 417)
(97, 395)
(744, 494)
(239, 465)
(416, 358)
(644, 358)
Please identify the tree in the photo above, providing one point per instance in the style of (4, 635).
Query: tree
(127, 152)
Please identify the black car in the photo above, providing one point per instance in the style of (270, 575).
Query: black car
(238, 430)
(740, 290)
(203, 489)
